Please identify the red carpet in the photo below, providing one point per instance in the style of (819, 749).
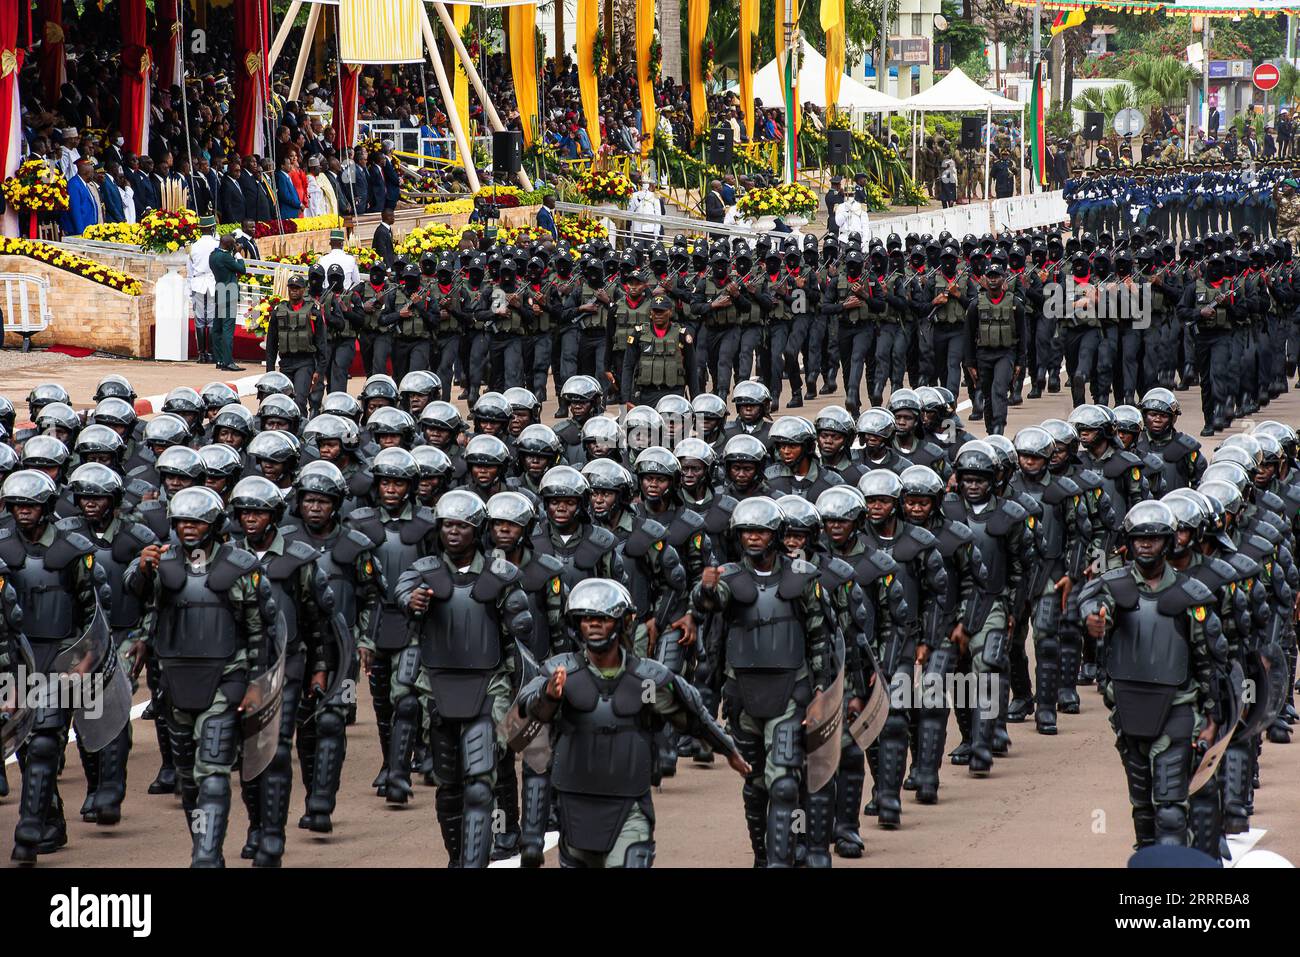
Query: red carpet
(77, 352)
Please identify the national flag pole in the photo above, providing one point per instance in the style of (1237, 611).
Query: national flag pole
(788, 80)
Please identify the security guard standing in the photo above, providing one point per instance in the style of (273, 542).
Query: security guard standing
(995, 339)
(654, 358)
(405, 312)
(296, 335)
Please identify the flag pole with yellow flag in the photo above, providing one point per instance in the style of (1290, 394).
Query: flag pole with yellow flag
(460, 17)
(523, 65)
(832, 18)
(748, 30)
(588, 26)
(1066, 19)
(645, 35)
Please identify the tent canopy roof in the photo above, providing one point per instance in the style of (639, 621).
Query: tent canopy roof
(957, 93)
(854, 94)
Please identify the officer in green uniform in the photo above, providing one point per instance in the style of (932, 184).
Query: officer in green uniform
(995, 341)
(296, 336)
(654, 358)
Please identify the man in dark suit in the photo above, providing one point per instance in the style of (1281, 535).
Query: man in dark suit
(258, 201)
(230, 195)
(146, 193)
(715, 207)
(245, 239)
(383, 239)
(546, 216)
(392, 182)
(203, 190)
(834, 196)
(332, 174)
(375, 179)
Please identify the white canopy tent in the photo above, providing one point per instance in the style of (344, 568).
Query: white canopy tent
(854, 94)
(958, 93)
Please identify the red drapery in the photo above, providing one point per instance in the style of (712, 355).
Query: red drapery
(136, 63)
(53, 63)
(167, 45)
(252, 23)
(345, 107)
(11, 62)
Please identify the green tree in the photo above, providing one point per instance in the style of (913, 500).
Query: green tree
(1161, 79)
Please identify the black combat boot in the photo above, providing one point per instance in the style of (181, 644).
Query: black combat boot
(476, 824)
(112, 779)
(848, 799)
(251, 794)
(401, 744)
(90, 765)
(448, 803)
(931, 730)
(536, 810)
(960, 755)
(165, 781)
(782, 802)
(1067, 697)
(327, 770)
(277, 781)
(755, 801)
(35, 807)
(821, 826)
(211, 815)
(1048, 674)
(505, 842)
(889, 781)
(1206, 820)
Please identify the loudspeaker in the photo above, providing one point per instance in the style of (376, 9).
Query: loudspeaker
(720, 146)
(839, 147)
(1092, 124)
(970, 132)
(507, 152)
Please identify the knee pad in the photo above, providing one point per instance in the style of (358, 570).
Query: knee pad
(408, 666)
(640, 855)
(43, 747)
(407, 708)
(478, 748)
(996, 649)
(1171, 818)
(785, 790)
(329, 723)
(215, 787)
(219, 740)
(787, 744)
(477, 795)
(852, 759)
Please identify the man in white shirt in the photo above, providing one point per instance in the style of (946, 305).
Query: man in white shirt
(321, 200)
(68, 153)
(338, 257)
(203, 286)
(128, 196)
(646, 203)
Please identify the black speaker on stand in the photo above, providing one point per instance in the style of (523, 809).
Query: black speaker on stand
(507, 152)
(970, 132)
(1092, 124)
(721, 146)
(839, 147)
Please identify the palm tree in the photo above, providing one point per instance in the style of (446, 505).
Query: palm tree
(1161, 79)
(1288, 87)
(1108, 101)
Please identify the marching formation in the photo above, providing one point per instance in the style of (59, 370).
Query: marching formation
(550, 617)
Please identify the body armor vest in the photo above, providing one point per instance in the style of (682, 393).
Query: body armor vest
(115, 557)
(605, 745)
(661, 363)
(719, 317)
(295, 327)
(997, 322)
(952, 311)
(197, 629)
(396, 553)
(1205, 296)
(628, 317)
(43, 578)
(580, 557)
(461, 631)
(764, 629)
(412, 326)
(988, 528)
(1148, 645)
(366, 294)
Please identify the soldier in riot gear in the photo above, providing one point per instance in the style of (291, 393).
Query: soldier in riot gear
(710, 420)
(654, 356)
(1180, 454)
(417, 389)
(876, 429)
(53, 568)
(798, 469)
(356, 581)
(303, 597)
(743, 462)
(511, 517)
(441, 425)
(435, 474)
(921, 571)
(602, 439)
(1064, 535)
(603, 778)
(778, 653)
(909, 434)
(97, 492)
(1000, 530)
(753, 404)
(468, 613)
(581, 397)
(537, 449)
(835, 430)
(1120, 470)
(402, 531)
(487, 459)
(212, 622)
(1158, 626)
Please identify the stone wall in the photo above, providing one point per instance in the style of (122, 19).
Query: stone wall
(87, 314)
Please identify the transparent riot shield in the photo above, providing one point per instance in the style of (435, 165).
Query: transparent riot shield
(97, 687)
(260, 723)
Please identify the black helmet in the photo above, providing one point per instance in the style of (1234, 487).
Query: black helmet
(395, 463)
(1227, 495)
(901, 400)
(538, 439)
(166, 430)
(442, 415)
(257, 494)
(841, 503)
(1035, 441)
(921, 480)
(750, 392)
(880, 483)
(744, 448)
(220, 461)
(582, 388)
(792, 430)
(197, 503)
(421, 382)
(878, 422)
(238, 419)
(275, 446)
(57, 415)
(184, 401)
(801, 515)
(218, 395)
(491, 407)
(379, 386)
(29, 487)
(696, 450)
(1062, 432)
(342, 404)
(487, 450)
(277, 406)
(1160, 400)
(114, 386)
(44, 394)
(758, 513)
(657, 460)
(1149, 519)
(98, 439)
(432, 462)
(710, 405)
(1127, 418)
(513, 507)
(835, 418)
(44, 451)
(95, 481)
(598, 598)
(522, 400)
(181, 460)
(563, 481)
(327, 426)
(602, 431)
(323, 478)
(977, 457)
(390, 420)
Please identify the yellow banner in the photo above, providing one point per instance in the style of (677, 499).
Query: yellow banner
(522, 37)
(460, 84)
(588, 25)
(645, 34)
(380, 31)
(748, 31)
(832, 17)
(697, 23)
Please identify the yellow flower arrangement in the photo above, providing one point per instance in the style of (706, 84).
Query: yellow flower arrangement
(487, 192)
(580, 229)
(307, 223)
(432, 238)
(36, 188)
(778, 201)
(165, 230)
(129, 234)
(78, 265)
(604, 186)
(258, 319)
(513, 235)
(451, 207)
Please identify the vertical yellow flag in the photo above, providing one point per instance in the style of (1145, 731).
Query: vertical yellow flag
(380, 31)
(832, 17)
(748, 30)
(697, 23)
(588, 25)
(523, 65)
(645, 34)
(460, 83)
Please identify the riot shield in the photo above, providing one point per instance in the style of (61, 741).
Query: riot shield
(17, 716)
(344, 642)
(1266, 673)
(100, 691)
(526, 736)
(868, 725)
(260, 724)
(822, 727)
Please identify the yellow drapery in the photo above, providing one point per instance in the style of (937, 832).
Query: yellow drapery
(523, 65)
(748, 30)
(832, 17)
(460, 83)
(697, 21)
(588, 25)
(380, 31)
(645, 34)
(780, 55)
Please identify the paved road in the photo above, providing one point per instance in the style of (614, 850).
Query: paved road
(1057, 801)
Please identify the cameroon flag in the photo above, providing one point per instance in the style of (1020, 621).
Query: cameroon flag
(1066, 19)
(1037, 125)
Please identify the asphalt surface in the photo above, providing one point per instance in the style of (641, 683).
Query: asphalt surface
(1053, 801)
